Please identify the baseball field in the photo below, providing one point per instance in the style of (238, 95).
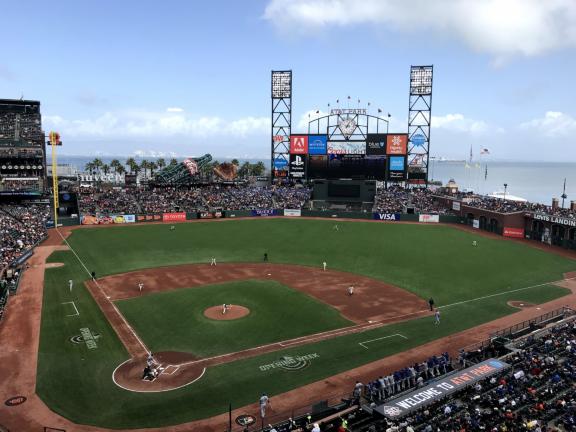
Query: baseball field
(300, 326)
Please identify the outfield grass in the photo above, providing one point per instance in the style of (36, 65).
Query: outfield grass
(174, 320)
(428, 260)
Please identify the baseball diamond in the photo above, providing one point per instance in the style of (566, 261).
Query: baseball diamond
(336, 271)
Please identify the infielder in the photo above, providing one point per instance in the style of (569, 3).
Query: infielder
(213, 262)
(324, 265)
(70, 284)
(140, 286)
(350, 290)
(437, 317)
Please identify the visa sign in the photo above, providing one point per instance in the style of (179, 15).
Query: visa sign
(386, 216)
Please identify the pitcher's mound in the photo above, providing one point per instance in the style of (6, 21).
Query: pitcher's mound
(234, 312)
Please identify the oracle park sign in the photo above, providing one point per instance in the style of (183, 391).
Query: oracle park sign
(405, 404)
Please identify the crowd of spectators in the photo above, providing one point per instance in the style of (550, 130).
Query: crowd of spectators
(21, 227)
(537, 393)
(202, 198)
(396, 199)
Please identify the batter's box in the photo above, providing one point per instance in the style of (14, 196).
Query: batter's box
(170, 369)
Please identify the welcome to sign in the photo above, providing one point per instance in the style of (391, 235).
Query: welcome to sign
(439, 389)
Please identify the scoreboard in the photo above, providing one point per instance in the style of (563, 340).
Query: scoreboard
(380, 157)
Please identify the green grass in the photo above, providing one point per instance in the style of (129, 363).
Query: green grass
(174, 320)
(429, 260)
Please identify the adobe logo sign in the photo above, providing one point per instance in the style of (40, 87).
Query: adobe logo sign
(298, 144)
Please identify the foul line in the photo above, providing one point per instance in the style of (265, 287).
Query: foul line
(380, 338)
(105, 296)
(505, 292)
(75, 308)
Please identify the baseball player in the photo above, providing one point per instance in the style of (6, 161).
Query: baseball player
(324, 265)
(474, 243)
(224, 308)
(265, 257)
(350, 290)
(213, 262)
(336, 228)
(437, 317)
(431, 304)
(140, 286)
(264, 403)
(172, 228)
(70, 284)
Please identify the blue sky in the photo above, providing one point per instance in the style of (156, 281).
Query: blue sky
(191, 77)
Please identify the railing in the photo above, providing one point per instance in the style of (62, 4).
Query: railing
(517, 328)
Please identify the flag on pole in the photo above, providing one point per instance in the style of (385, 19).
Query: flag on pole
(484, 151)
(485, 172)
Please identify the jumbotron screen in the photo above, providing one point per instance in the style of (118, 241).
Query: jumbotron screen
(346, 166)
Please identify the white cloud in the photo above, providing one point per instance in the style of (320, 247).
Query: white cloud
(459, 123)
(305, 118)
(6, 73)
(502, 28)
(145, 124)
(553, 124)
(174, 109)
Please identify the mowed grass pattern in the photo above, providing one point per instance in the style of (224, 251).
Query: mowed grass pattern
(174, 320)
(429, 260)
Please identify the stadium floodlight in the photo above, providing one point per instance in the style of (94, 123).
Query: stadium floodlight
(421, 80)
(281, 84)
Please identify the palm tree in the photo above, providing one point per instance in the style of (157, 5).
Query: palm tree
(160, 163)
(97, 164)
(259, 168)
(235, 162)
(115, 164)
(106, 168)
(89, 167)
(120, 170)
(152, 165)
(145, 165)
(131, 163)
(173, 161)
(244, 170)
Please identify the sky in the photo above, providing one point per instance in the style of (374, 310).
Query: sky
(185, 78)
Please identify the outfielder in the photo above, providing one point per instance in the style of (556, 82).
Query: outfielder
(70, 284)
(213, 262)
(324, 265)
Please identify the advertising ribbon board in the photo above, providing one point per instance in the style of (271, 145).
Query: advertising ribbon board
(210, 215)
(426, 218)
(440, 389)
(292, 212)
(555, 219)
(513, 232)
(386, 216)
(174, 217)
(263, 212)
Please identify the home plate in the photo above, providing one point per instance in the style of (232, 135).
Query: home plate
(269, 274)
(107, 297)
(369, 322)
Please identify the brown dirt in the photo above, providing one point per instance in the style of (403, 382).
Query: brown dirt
(54, 265)
(233, 313)
(19, 354)
(520, 304)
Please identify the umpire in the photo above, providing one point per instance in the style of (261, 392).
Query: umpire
(431, 304)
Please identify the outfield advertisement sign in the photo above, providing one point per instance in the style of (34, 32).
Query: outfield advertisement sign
(440, 389)
(174, 217)
(376, 145)
(456, 205)
(292, 212)
(210, 215)
(386, 216)
(427, 218)
(476, 224)
(555, 219)
(513, 232)
(149, 218)
(346, 148)
(299, 144)
(263, 212)
(107, 220)
(297, 166)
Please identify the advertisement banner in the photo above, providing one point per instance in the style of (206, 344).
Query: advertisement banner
(280, 163)
(129, 218)
(107, 219)
(210, 215)
(386, 216)
(292, 212)
(476, 224)
(149, 218)
(396, 144)
(397, 163)
(280, 173)
(262, 212)
(440, 389)
(297, 166)
(456, 205)
(427, 218)
(376, 145)
(317, 144)
(174, 217)
(298, 144)
(346, 147)
(513, 232)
